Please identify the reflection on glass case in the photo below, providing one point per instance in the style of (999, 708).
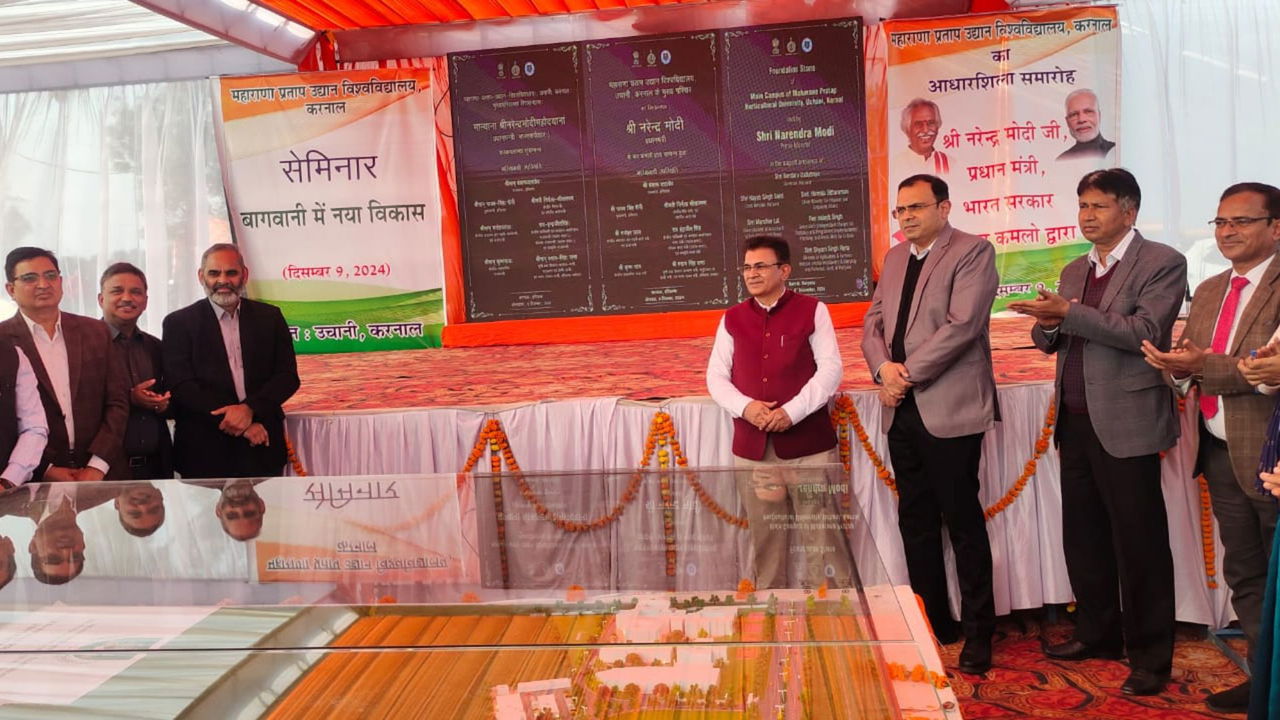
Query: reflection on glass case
(747, 593)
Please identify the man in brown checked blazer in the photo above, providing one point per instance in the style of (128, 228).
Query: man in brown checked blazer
(927, 343)
(82, 385)
(1115, 416)
(1232, 314)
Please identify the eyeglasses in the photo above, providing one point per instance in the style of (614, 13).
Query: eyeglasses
(759, 267)
(1238, 223)
(33, 278)
(912, 209)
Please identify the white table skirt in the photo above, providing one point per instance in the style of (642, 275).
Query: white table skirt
(601, 433)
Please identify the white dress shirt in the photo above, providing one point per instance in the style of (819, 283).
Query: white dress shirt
(33, 428)
(229, 324)
(53, 355)
(1099, 268)
(815, 393)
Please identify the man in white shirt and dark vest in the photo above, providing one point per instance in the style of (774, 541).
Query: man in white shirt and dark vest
(774, 366)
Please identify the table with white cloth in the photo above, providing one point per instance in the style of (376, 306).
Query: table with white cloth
(602, 433)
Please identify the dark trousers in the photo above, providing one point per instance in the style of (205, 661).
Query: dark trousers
(1246, 523)
(149, 467)
(937, 484)
(1115, 536)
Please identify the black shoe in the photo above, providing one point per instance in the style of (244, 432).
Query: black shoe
(1231, 700)
(1076, 650)
(975, 658)
(1144, 682)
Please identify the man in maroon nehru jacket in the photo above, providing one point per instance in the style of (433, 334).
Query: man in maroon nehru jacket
(774, 366)
(927, 343)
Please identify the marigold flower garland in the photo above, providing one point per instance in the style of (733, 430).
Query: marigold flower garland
(919, 673)
(1042, 445)
(1206, 533)
(662, 433)
(845, 415)
(1206, 514)
(495, 438)
(293, 458)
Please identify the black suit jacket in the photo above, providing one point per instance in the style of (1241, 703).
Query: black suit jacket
(147, 434)
(99, 394)
(199, 377)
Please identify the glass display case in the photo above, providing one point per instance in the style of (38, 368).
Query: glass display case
(716, 593)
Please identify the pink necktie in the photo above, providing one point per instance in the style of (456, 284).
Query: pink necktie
(1221, 332)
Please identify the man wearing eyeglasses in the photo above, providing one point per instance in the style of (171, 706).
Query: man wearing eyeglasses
(1115, 416)
(927, 343)
(148, 449)
(1232, 315)
(774, 366)
(82, 385)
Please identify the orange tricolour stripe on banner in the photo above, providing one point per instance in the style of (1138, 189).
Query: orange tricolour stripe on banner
(603, 328)
(450, 230)
(877, 91)
(234, 109)
(914, 40)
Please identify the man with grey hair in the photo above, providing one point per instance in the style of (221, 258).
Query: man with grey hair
(227, 405)
(1084, 123)
(920, 122)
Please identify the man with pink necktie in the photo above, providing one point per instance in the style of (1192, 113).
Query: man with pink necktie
(1232, 314)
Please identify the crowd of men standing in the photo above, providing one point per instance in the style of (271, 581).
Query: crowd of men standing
(85, 399)
(1110, 324)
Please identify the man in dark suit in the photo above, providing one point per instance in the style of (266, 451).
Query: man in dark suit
(122, 296)
(1115, 416)
(1232, 314)
(82, 385)
(927, 344)
(230, 366)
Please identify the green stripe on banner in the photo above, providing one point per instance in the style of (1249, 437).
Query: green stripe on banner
(1041, 265)
(390, 322)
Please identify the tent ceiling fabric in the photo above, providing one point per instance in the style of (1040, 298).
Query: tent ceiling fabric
(357, 14)
(43, 31)
(53, 31)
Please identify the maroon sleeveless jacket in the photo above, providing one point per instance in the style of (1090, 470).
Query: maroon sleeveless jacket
(772, 361)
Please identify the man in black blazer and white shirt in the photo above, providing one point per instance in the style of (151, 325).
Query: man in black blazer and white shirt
(230, 366)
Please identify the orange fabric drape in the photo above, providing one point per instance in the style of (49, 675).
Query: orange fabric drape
(602, 328)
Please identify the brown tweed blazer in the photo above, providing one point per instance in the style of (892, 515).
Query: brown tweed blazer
(1244, 411)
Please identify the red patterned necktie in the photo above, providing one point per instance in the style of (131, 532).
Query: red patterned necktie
(1221, 332)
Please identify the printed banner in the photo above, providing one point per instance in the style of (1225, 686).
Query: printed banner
(1011, 109)
(331, 182)
(622, 175)
(359, 530)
